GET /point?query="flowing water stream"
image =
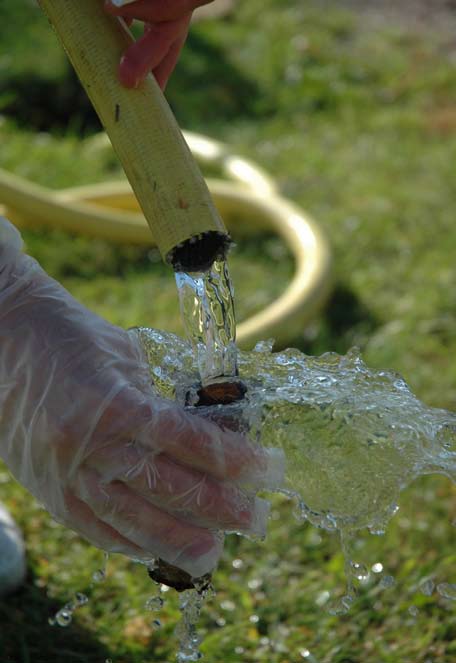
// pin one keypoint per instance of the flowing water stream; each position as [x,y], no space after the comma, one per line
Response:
[207,309]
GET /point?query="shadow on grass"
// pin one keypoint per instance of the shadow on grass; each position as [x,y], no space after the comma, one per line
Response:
[40,103]
[27,637]
[346,321]
[206,88]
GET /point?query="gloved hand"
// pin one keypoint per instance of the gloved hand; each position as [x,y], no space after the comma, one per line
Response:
[165,31]
[82,428]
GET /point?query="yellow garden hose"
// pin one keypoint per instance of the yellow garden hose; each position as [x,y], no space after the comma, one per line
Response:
[247,198]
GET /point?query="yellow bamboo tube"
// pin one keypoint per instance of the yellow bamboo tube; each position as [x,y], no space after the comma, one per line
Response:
[144,133]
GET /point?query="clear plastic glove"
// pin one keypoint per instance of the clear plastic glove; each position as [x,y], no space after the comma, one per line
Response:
[82,428]
[165,31]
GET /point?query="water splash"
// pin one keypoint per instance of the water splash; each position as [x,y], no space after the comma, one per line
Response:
[354,437]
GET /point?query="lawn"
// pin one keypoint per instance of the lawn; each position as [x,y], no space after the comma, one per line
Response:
[355,115]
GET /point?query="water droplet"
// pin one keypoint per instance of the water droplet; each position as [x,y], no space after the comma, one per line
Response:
[237,563]
[386,582]
[377,531]
[182,657]
[99,576]
[322,598]
[255,583]
[447,590]
[307,655]
[427,586]
[413,610]
[228,605]
[254,619]
[359,571]
[377,568]
[63,617]
[342,606]
[81,599]
[220,621]
[155,603]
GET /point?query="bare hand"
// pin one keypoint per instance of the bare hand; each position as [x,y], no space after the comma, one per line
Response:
[166,25]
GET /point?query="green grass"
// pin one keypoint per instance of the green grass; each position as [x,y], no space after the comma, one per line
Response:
[358,123]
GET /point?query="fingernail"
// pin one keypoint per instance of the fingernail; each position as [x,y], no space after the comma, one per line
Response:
[126,77]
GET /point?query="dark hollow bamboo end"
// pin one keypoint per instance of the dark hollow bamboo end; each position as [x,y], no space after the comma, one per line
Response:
[171,576]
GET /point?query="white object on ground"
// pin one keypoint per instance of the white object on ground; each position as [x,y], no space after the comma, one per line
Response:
[12,554]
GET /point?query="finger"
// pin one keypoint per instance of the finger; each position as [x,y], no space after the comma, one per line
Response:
[154,11]
[147,53]
[82,519]
[166,67]
[195,442]
[193,549]
[160,425]
[182,490]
